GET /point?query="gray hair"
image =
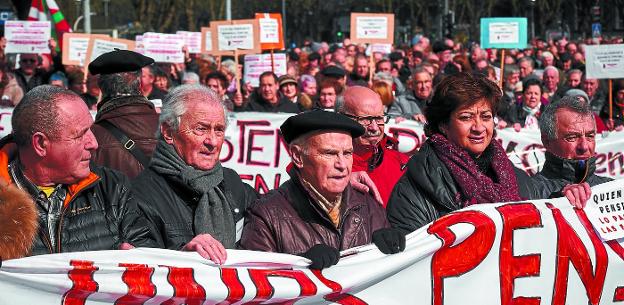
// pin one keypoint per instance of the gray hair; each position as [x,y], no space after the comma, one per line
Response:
[190,77]
[510,69]
[175,103]
[230,66]
[528,59]
[547,54]
[116,84]
[38,112]
[573,71]
[548,119]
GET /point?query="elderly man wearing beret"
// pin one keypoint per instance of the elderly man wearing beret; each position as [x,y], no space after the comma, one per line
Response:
[126,121]
[317,213]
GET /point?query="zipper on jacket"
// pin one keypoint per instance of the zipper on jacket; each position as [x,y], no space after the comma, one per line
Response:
[65,208]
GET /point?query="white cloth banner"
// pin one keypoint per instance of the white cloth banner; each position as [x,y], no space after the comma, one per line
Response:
[541,252]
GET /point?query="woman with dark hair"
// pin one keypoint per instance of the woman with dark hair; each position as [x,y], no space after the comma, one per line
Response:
[459,164]
[526,112]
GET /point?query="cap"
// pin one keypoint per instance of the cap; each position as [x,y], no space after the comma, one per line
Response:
[314,56]
[333,71]
[440,46]
[286,79]
[318,120]
[119,61]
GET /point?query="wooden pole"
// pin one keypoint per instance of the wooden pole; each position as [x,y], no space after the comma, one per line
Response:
[272,62]
[611,104]
[371,66]
[237,77]
[219,63]
[502,67]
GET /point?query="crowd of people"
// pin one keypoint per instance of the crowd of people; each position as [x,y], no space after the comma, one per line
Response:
[142,176]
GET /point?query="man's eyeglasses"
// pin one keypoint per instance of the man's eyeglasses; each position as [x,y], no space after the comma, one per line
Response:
[29,61]
[367,120]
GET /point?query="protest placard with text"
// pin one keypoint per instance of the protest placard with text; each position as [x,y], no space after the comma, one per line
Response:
[372,28]
[241,36]
[100,45]
[604,61]
[76,45]
[27,36]
[271,33]
[256,64]
[164,47]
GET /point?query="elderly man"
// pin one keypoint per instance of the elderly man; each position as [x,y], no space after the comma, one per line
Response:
[568,129]
[597,98]
[551,84]
[126,121]
[268,99]
[527,65]
[193,202]
[411,104]
[374,153]
[80,208]
[317,212]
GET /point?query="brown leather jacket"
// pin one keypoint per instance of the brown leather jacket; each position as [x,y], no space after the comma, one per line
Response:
[136,117]
[286,220]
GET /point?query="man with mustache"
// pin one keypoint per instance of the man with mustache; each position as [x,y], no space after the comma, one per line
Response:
[375,154]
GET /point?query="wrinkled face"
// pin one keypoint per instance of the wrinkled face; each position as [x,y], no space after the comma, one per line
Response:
[525,69]
[215,85]
[351,50]
[574,80]
[327,97]
[619,98]
[590,86]
[513,79]
[268,89]
[200,135]
[370,114]
[548,61]
[147,78]
[576,135]
[69,152]
[28,63]
[551,80]
[422,84]
[446,56]
[362,67]
[310,89]
[327,162]
[531,96]
[471,127]
[289,90]
[385,67]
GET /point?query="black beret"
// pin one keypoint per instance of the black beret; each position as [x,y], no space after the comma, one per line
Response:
[317,120]
[119,61]
[395,56]
[440,46]
[334,71]
[293,55]
[314,56]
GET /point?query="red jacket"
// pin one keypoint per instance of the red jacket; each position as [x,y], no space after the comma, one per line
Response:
[384,167]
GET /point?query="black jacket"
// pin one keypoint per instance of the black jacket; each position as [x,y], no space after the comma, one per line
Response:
[258,104]
[100,215]
[170,205]
[558,172]
[427,192]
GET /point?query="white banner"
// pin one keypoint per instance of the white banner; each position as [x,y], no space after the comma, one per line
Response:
[260,63]
[164,47]
[605,61]
[27,36]
[542,252]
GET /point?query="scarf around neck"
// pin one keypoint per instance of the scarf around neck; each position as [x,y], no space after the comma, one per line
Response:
[475,185]
[213,214]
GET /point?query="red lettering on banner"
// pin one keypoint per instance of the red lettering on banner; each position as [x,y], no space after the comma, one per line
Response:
[138,278]
[570,249]
[261,184]
[251,148]
[264,289]
[230,151]
[398,132]
[242,125]
[185,289]
[236,290]
[618,296]
[83,284]
[246,177]
[612,158]
[600,160]
[452,261]
[279,143]
[276,182]
[511,146]
[528,152]
[337,296]
[517,216]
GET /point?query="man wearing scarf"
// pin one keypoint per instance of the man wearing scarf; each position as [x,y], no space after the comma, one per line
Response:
[317,213]
[193,202]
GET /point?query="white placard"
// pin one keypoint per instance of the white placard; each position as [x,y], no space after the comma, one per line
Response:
[101,46]
[258,64]
[269,30]
[164,47]
[27,36]
[192,40]
[208,41]
[384,48]
[504,32]
[78,49]
[138,47]
[235,36]
[605,210]
[372,27]
[604,61]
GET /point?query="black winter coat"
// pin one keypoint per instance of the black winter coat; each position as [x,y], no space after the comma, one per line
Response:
[170,205]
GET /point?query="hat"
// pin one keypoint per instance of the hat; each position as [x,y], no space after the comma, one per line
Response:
[576,93]
[286,79]
[440,46]
[292,55]
[119,61]
[314,56]
[333,71]
[395,56]
[318,120]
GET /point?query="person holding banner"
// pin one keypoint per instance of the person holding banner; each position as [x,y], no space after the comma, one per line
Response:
[618,108]
[268,99]
[317,212]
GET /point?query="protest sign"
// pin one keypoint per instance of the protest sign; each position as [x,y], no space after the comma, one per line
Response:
[27,36]
[503,33]
[164,47]
[604,61]
[100,45]
[372,28]
[538,252]
[241,36]
[76,45]
[605,210]
[138,47]
[192,41]
[271,35]
[383,48]
[257,64]
[206,42]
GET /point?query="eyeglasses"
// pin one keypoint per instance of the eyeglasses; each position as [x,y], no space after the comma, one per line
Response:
[31,61]
[367,120]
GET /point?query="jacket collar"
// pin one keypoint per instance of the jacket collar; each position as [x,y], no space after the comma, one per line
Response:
[576,171]
[109,103]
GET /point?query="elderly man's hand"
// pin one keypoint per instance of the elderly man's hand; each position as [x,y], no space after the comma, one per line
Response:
[208,248]
[517,127]
[399,119]
[363,183]
[322,256]
[501,124]
[420,118]
[126,246]
[389,240]
[577,194]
